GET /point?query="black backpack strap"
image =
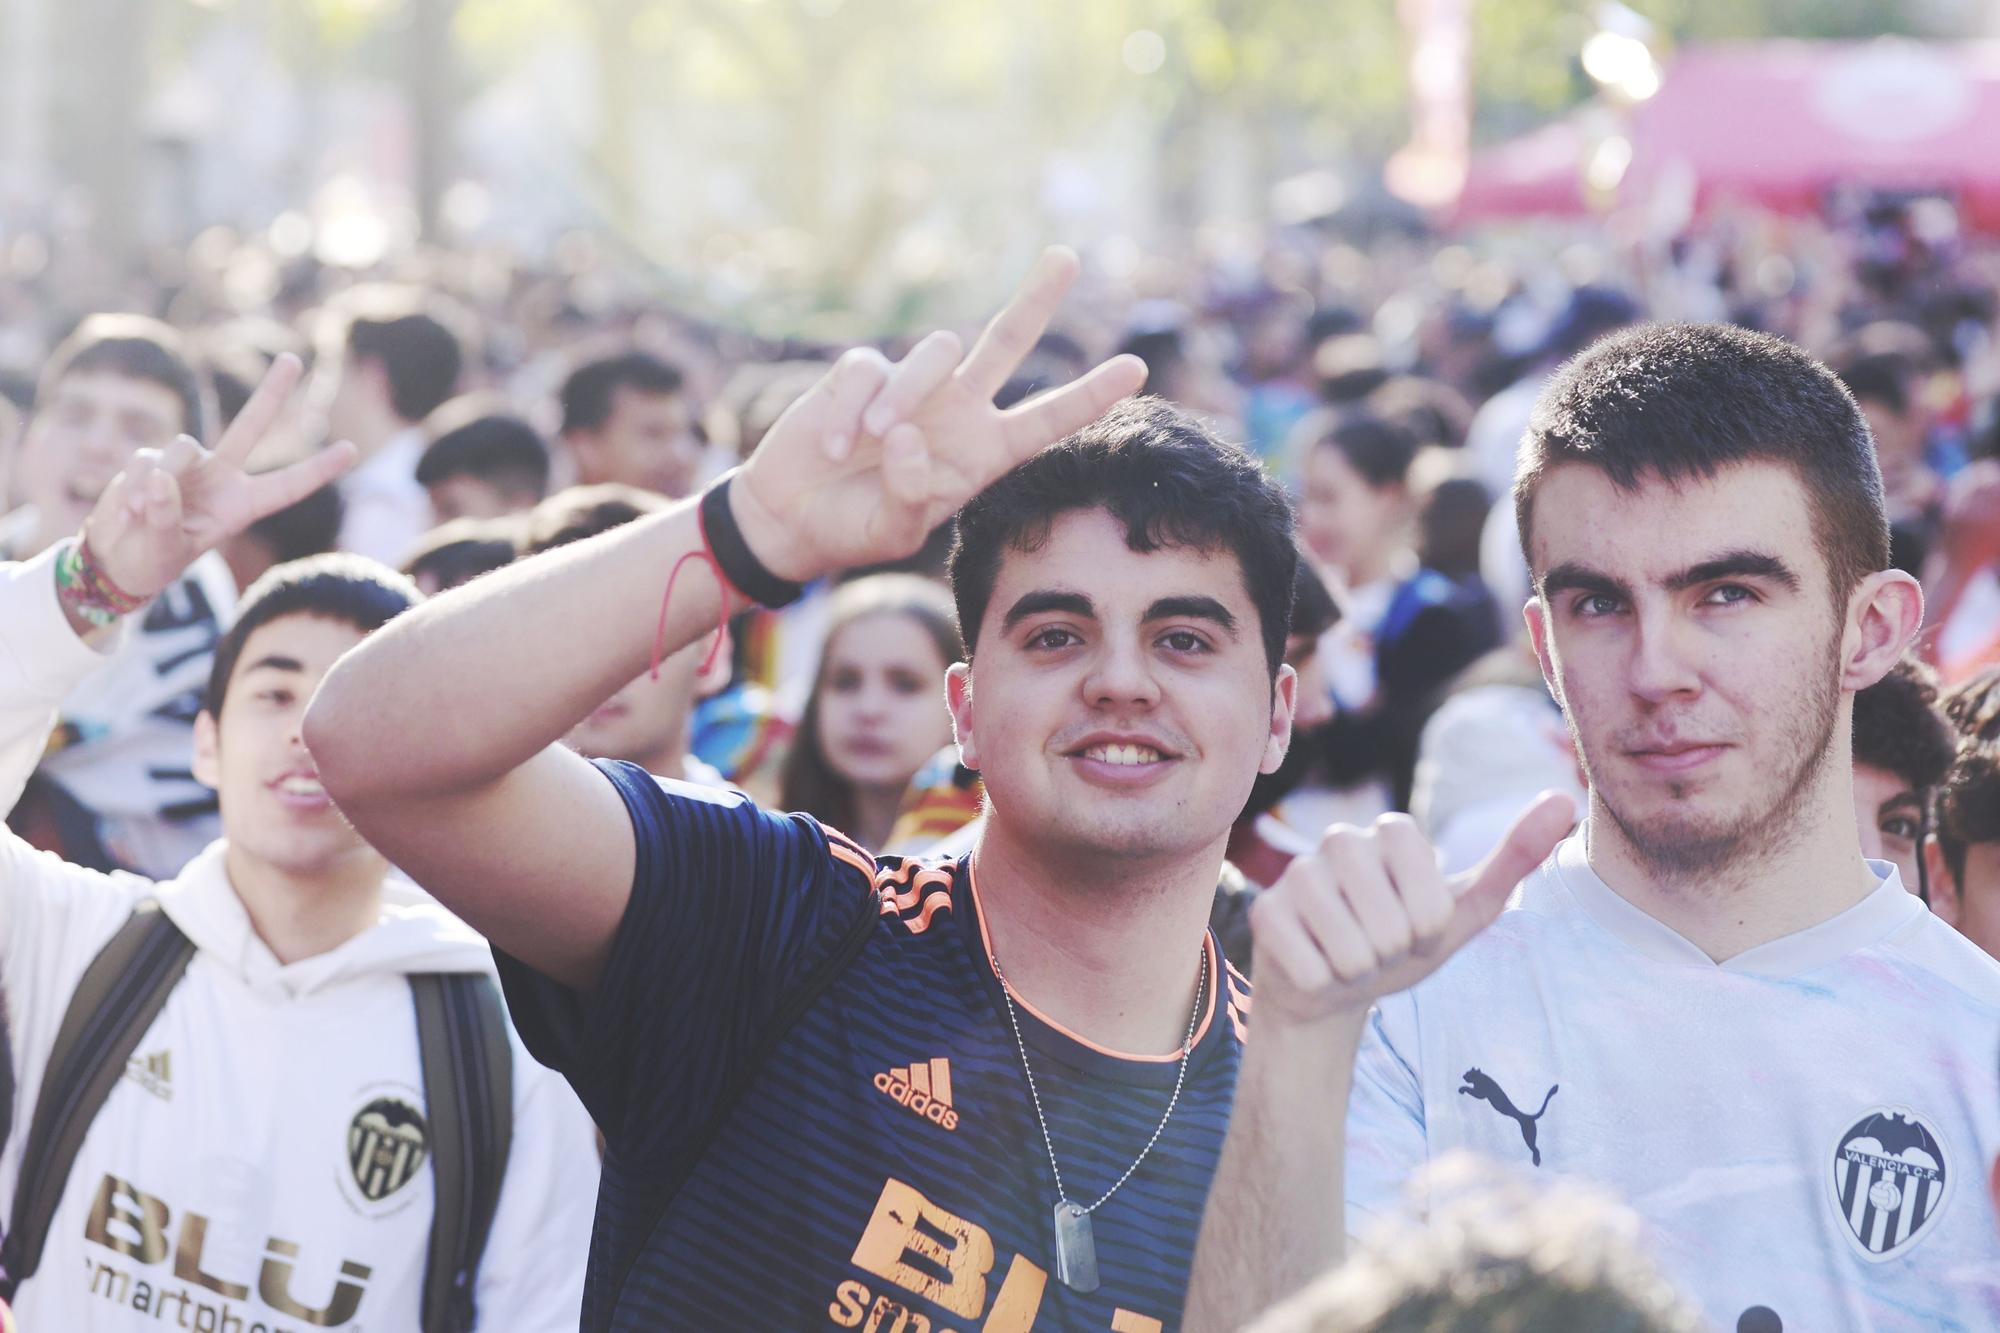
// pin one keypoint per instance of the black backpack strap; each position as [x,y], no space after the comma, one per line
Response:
[121,993]
[468,1062]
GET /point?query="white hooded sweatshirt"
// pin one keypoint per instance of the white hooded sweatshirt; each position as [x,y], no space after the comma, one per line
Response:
[215,1190]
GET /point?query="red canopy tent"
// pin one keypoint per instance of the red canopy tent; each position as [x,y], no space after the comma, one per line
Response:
[1539,174]
[1777,124]
[1781,123]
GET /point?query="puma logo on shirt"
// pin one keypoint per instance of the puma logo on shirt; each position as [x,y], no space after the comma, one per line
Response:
[1486,1090]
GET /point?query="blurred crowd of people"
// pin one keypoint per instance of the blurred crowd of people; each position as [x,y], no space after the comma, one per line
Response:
[503,410]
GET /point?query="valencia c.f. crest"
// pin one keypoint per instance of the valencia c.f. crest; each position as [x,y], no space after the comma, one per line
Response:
[1889,1180]
[386,1143]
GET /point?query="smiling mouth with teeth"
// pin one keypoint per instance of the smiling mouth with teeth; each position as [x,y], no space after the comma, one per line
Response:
[302,787]
[1124,754]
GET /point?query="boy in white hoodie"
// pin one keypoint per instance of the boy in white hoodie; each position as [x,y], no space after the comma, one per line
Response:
[221,1187]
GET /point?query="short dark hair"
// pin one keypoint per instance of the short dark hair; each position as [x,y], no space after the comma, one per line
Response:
[1676,401]
[461,550]
[136,348]
[578,512]
[1968,804]
[351,589]
[1882,377]
[1314,611]
[1898,728]
[1449,522]
[304,527]
[421,354]
[1380,451]
[480,441]
[1164,475]
[588,393]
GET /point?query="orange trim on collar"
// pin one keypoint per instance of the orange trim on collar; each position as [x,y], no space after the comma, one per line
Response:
[1209,1004]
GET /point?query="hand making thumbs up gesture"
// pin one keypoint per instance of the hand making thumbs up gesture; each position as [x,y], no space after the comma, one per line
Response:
[1369,913]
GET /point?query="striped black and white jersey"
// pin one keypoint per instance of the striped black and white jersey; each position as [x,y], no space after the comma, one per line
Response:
[883,1166]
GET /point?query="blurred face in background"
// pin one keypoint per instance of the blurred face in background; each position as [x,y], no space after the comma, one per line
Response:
[646,723]
[1350,526]
[1899,444]
[1890,812]
[84,434]
[648,441]
[881,701]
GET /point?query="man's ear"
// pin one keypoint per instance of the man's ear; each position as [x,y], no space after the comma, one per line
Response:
[1537,615]
[1943,888]
[1884,614]
[207,751]
[958,698]
[1284,703]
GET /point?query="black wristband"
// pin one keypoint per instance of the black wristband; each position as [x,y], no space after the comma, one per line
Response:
[733,556]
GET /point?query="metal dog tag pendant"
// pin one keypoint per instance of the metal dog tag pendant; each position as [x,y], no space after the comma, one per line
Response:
[1076,1249]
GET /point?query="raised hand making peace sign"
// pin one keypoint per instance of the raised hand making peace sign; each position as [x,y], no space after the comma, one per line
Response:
[876,455]
[171,505]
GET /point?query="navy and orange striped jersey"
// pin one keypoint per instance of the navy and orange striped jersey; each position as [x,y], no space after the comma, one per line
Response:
[878,1165]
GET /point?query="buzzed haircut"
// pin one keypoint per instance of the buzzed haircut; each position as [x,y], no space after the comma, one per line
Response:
[496,446]
[350,589]
[1968,804]
[407,333]
[584,511]
[590,391]
[135,348]
[1675,402]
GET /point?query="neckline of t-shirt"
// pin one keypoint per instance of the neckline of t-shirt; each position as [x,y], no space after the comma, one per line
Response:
[1884,911]
[1046,1036]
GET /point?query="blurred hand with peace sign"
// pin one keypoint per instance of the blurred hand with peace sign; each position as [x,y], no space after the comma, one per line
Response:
[169,506]
[876,455]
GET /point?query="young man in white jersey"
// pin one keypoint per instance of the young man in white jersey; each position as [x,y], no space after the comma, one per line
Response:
[114,791]
[269,1157]
[1706,1000]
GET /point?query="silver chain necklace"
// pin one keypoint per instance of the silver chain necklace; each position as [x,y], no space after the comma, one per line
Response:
[1076,1247]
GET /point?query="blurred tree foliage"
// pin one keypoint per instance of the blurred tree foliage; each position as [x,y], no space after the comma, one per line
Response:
[850,126]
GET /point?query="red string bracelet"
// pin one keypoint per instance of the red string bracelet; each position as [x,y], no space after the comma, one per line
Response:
[707,556]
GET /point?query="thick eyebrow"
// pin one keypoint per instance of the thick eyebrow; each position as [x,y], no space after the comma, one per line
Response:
[1572,577]
[275,662]
[1193,608]
[1740,564]
[1044,600]
[1906,797]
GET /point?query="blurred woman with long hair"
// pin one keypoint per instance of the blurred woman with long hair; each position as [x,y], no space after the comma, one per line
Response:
[877,710]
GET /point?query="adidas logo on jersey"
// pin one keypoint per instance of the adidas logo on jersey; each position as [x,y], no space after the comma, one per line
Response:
[154,1073]
[925,1088]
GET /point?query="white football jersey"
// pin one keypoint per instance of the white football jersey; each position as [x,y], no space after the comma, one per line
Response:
[1806,1129]
[262,1163]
